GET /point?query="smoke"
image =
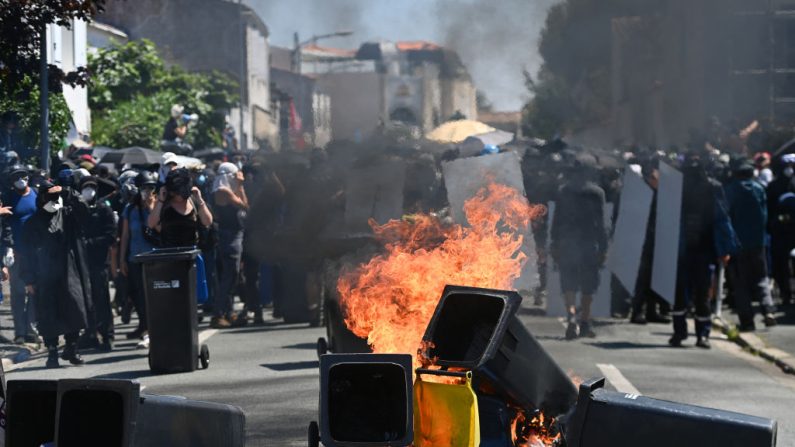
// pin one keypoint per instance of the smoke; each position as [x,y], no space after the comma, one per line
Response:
[496,39]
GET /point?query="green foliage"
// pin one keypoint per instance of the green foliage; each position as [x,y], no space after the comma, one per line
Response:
[573,89]
[133,91]
[25,102]
[21,23]
[551,108]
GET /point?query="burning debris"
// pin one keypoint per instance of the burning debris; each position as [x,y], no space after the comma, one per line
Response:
[390,300]
[475,375]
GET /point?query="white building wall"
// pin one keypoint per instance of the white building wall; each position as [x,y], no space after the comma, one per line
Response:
[68,49]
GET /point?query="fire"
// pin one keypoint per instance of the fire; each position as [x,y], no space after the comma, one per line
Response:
[390,299]
[536,431]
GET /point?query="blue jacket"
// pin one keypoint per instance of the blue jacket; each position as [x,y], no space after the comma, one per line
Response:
[747,204]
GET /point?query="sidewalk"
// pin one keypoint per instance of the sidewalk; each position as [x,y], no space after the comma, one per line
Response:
[776,344]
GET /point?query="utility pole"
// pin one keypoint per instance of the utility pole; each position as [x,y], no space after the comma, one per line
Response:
[243,138]
[44,103]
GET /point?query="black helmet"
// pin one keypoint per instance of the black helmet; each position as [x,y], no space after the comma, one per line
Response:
[16,169]
[146,178]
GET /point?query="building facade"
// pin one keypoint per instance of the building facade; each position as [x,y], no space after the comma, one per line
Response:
[690,64]
[205,35]
[415,84]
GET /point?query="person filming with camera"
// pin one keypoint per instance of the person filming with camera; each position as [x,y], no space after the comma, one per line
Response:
[179,211]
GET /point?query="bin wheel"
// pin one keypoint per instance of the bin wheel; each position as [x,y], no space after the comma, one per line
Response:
[322,346]
[204,357]
[314,434]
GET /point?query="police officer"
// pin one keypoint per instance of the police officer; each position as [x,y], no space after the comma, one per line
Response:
[706,238]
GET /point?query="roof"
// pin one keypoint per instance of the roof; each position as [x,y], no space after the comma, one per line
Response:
[417,45]
[316,50]
[500,117]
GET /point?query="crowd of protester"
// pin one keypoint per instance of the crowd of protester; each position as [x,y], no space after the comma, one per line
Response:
[70,233]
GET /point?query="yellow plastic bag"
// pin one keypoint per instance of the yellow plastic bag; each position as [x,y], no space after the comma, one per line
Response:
[445,415]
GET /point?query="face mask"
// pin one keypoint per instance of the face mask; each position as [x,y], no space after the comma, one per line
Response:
[52,206]
[21,183]
[88,194]
[788,171]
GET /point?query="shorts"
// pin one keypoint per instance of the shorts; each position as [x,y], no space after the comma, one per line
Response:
[579,273]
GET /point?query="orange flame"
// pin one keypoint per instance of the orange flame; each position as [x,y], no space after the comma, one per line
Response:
[390,300]
[537,431]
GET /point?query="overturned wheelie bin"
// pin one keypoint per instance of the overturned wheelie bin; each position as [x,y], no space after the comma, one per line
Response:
[171,310]
[491,384]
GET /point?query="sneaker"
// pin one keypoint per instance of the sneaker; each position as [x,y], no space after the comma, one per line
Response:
[703,343]
[52,359]
[143,344]
[138,333]
[33,339]
[571,331]
[19,340]
[70,355]
[676,341]
[586,330]
[220,323]
[638,319]
[770,320]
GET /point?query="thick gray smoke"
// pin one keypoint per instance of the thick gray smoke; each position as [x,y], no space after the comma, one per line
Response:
[497,39]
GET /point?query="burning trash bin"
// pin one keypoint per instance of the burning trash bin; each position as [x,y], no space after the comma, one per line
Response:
[477,330]
[171,310]
[487,382]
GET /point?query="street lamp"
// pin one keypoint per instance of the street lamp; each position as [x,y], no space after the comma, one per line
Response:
[298,45]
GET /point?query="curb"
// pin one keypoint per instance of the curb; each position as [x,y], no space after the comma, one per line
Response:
[753,343]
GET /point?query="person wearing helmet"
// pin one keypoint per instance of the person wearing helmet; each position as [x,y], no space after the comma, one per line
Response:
[231,204]
[136,239]
[21,200]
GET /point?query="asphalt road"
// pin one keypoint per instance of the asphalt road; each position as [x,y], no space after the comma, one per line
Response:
[271,372]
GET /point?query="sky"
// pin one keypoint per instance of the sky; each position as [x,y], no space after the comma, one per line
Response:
[497,39]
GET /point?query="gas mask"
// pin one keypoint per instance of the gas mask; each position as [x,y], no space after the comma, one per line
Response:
[21,183]
[53,205]
[88,193]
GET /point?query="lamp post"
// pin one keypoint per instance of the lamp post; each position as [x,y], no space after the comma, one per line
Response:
[298,45]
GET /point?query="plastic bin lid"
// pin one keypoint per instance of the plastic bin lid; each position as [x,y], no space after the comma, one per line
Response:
[168,254]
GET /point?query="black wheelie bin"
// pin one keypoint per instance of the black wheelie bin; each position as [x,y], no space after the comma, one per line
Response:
[171,310]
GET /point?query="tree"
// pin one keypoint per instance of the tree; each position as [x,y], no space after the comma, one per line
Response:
[133,91]
[573,88]
[25,102]
[21,26]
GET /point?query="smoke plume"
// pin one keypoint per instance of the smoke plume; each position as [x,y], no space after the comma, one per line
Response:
[496,39]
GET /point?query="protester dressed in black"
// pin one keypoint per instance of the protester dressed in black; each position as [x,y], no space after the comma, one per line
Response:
[55,270]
